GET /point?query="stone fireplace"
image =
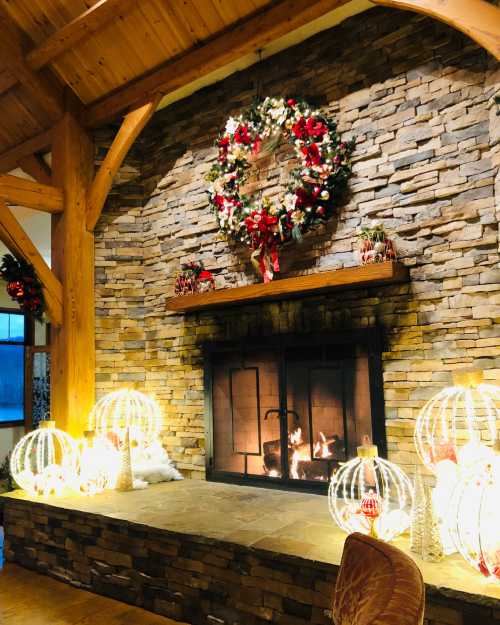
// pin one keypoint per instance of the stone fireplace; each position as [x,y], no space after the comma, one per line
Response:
[286,411]
[419,98]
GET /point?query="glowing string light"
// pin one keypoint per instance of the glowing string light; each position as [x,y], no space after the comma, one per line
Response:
[371,495]
[126,408]
[98,464]
[43,462]
[466,412]
[475,517]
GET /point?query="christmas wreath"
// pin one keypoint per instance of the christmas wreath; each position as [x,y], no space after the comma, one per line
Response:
[23,285]
[314,190]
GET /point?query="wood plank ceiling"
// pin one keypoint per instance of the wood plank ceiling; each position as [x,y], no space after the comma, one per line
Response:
[127,39]
[115,55]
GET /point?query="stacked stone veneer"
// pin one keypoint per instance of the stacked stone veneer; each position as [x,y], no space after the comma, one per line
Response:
[418,96]
[191,578]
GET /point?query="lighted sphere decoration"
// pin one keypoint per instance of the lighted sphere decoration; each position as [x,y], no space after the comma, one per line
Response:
[126,408]
[43,462]
[467,412]
[97,464]
[371,495]
[475,522]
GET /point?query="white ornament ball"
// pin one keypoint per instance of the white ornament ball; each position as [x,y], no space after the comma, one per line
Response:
[44,461]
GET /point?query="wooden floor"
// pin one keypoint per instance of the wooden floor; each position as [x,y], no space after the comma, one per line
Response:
[27,598]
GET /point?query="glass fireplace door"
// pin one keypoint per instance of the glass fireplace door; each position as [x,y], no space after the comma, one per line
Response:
[317,412]
[245,407]
[288,414]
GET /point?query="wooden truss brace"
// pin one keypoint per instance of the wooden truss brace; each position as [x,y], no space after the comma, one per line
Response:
[74,32]
[476,18]
[22,192]
[130,129]
[18,242]
[36,167]
[41,90]
[11,158]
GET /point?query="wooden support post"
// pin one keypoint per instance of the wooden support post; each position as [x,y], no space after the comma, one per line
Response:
[73,344]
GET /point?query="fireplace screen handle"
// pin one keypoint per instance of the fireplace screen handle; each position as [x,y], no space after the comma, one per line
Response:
[272,411]
[278,413]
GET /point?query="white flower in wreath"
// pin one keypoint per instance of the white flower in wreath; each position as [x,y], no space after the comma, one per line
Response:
[278,115]
[231,126]
[290,199]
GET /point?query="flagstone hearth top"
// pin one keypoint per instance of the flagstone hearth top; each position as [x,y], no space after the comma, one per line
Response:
[294,524]
[375,274]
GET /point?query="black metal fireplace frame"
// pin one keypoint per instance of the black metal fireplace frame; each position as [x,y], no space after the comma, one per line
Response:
[370,338]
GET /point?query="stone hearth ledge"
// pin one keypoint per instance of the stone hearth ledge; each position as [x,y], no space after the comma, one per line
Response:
[294,524]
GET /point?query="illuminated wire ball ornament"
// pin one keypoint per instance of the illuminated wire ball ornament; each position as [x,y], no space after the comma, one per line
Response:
[43,462]
[371,495]
[126,409]
[465,415]
[97,464]
[475,511]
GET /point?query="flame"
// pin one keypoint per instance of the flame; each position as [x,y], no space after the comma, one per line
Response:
[296,437]
[321,449]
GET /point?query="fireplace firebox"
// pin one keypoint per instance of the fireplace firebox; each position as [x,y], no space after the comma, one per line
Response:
[287,411]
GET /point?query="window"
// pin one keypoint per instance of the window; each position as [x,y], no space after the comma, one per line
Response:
[12,344]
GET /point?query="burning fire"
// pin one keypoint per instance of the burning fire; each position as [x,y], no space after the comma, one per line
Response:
[301,451]
[321,447]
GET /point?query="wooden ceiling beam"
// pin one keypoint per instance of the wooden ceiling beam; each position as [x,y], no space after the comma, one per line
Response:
[11,50]
[40,143]
[22,192]
[91,21]
[18,243]
[37,168]
[249,36]
[130,129]
[478,19]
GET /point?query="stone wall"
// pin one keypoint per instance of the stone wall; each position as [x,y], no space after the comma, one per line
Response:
[418,97]
[192,579]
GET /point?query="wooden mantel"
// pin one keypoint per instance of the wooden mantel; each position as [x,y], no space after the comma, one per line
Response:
[352,277]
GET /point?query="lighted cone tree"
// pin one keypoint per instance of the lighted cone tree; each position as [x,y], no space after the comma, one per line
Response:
[44,461]
[371,495]
[466,413]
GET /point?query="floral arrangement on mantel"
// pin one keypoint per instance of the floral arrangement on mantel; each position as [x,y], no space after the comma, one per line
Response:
[23,285]
[374,244]
[193,278]
[315,188]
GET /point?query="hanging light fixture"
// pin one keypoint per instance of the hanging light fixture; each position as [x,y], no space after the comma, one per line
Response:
[459,420]
[371,495]
[44,461]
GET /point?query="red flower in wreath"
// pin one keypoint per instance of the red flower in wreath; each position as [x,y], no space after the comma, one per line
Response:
[241,135]
[312,154]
